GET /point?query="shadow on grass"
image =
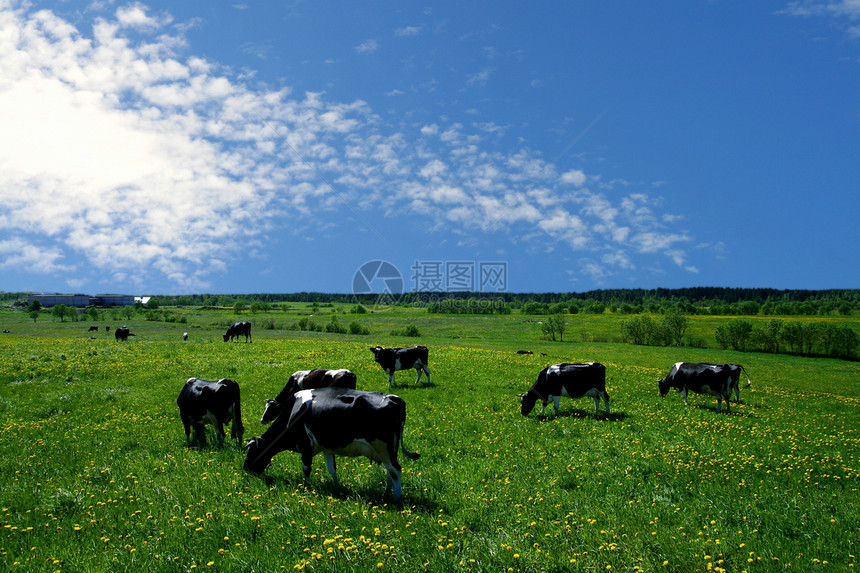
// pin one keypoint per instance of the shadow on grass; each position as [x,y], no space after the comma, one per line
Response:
[372,495]
[583,414]
[412,386]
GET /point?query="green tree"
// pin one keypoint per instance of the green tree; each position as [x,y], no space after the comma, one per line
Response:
[238,306]
[638,329]
[735,334]
[334,326]
[792,335]
[553,325]
[59,310]
[768,336]
[675,323]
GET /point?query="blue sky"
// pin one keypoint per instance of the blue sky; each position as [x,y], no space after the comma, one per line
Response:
[202,147]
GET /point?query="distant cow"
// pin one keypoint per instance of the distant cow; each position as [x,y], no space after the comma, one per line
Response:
[307,380]
[524,352]
[184,336]
[701,378]
[394,359]
[735,373]
[573,380]
[122,333]
[336,421]
[93,329]
[205,402]
[237,329]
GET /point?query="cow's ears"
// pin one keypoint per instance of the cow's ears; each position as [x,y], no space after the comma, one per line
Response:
[270,401]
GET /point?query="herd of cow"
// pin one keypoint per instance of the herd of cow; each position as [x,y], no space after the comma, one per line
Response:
[321,411]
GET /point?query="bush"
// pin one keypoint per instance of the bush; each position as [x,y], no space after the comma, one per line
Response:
[357,328]
[334,326]
[410,330]
[735,334]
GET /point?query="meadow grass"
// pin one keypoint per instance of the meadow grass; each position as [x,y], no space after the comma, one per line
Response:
[96,475]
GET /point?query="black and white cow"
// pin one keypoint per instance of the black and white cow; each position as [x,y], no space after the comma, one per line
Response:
[205,402]
[237,329]
[735,373]
[93,329]
[701,378]
[121,333]
[394,359]
[336,421]
[307,380]
[573,380]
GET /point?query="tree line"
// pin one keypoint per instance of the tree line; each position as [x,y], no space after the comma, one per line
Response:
[692,301]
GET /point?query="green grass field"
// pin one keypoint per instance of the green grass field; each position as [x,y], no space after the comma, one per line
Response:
[96,475]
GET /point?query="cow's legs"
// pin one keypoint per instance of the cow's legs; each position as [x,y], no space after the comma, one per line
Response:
[556,401]
[684,395]
[597,405]
[331,465]
[307,460]
[426,371]
[393,470]
[543,406]
[187,423]
[219,434]
[606,401]
[391,380]
[418,371]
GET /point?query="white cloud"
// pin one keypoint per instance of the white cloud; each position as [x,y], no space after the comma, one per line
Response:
[135,16]
[407,31]
[479,78]
[367,47]
[846,10]
[574,177]
[143,161]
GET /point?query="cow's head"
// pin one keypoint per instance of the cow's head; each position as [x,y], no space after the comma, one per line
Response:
[527,402]
[226,338]
[272,410]
[376,350]
[256,459]
[663,385]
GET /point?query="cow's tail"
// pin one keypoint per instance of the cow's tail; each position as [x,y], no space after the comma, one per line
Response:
[406,452]
[749,382]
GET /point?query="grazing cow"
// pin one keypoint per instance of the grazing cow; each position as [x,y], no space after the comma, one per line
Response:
[735,373]
[184,336]
[336,421]
[204,402]
[307,380]
[711,379]
[524,352]
[93,329]
[121,333]
[237,329]
[573,380]
[394,359]
[107,328]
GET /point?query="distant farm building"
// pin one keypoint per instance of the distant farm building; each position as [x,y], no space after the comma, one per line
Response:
[81,300]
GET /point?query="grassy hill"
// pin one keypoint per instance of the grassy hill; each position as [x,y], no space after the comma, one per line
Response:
[97,476]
